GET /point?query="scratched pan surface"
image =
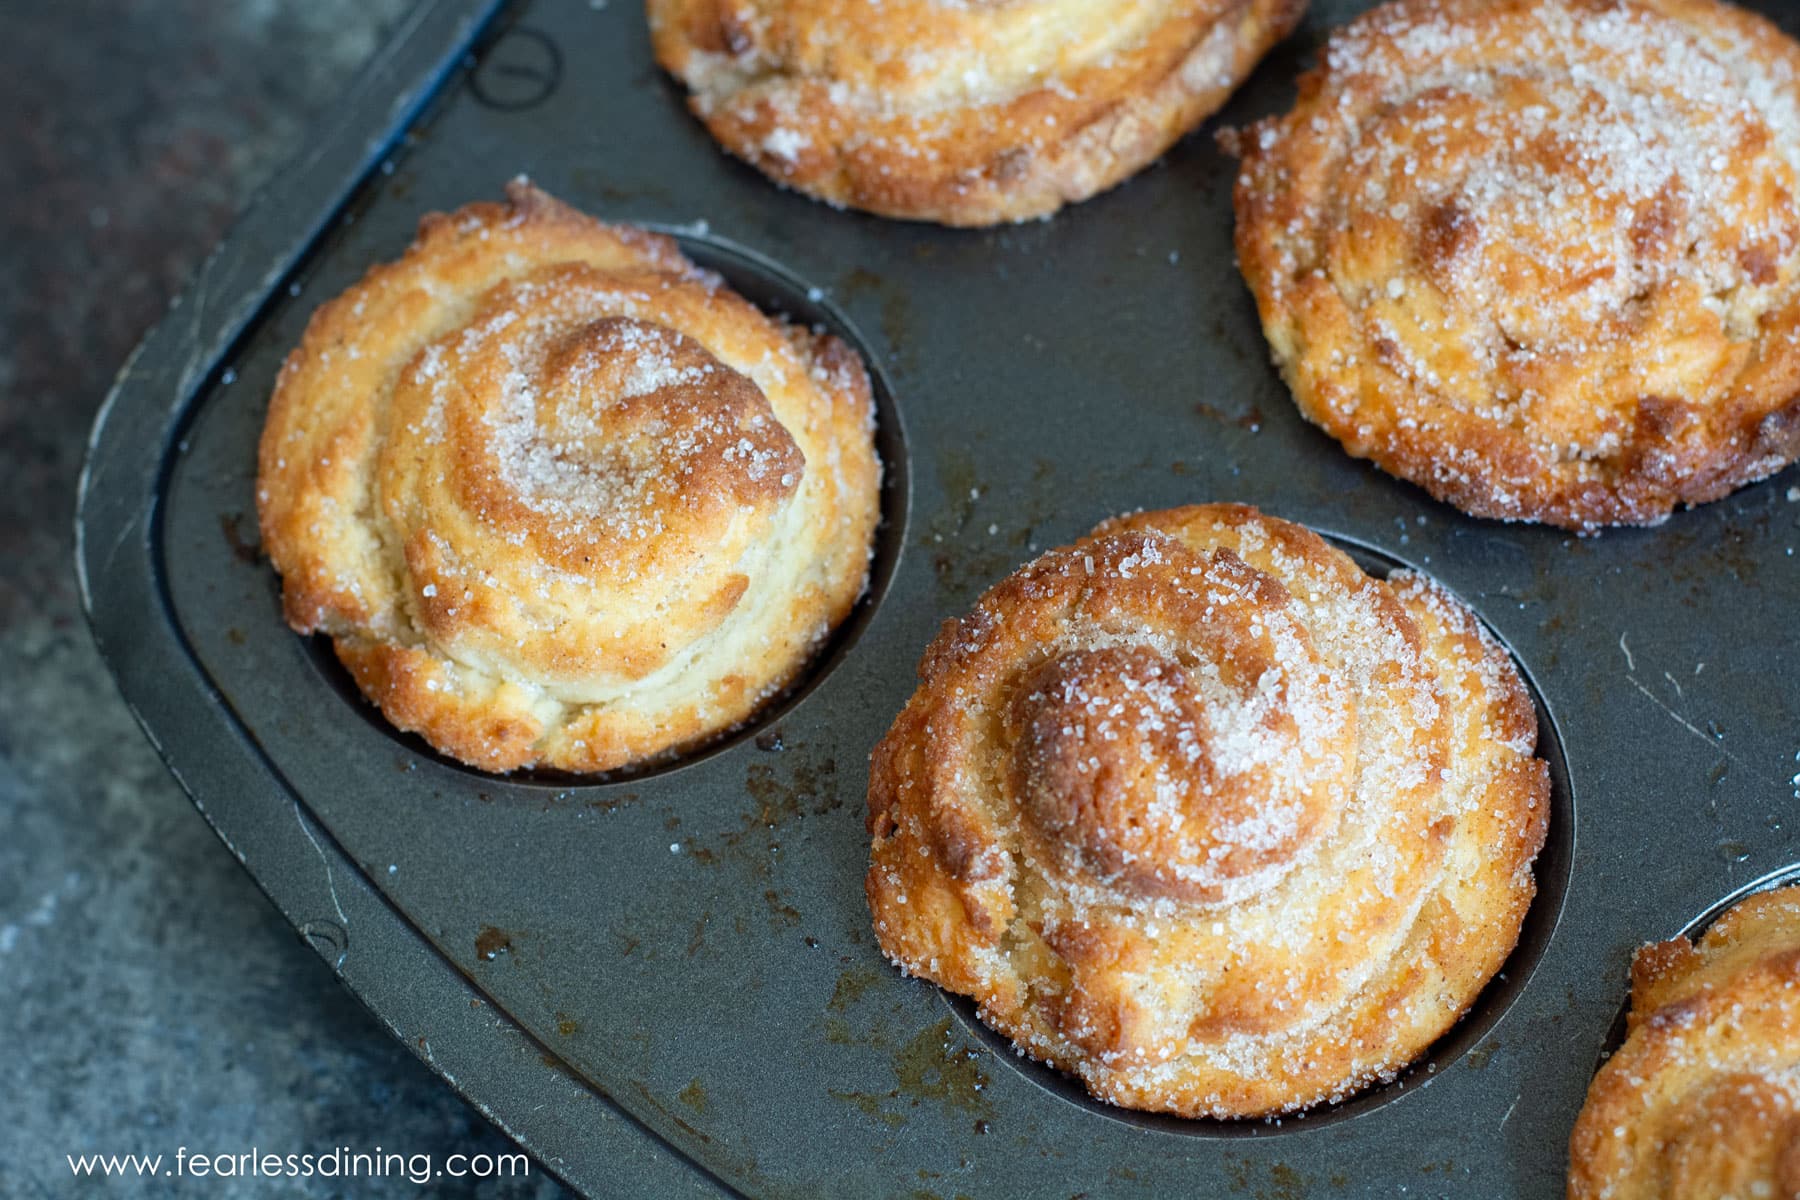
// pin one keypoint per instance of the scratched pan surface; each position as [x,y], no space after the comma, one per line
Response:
[667,985]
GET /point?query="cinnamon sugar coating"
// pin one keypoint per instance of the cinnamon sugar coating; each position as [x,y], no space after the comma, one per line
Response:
[1703,1099]
[561,498]
[964,112]
[1540,257]
[1201,813]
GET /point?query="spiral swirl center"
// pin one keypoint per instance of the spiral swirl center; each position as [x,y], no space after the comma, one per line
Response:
[1196,766]
[611,421]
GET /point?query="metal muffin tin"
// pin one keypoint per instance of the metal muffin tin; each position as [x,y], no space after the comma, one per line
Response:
[667,985]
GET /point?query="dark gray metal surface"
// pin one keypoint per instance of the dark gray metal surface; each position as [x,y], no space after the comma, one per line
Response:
[669,984]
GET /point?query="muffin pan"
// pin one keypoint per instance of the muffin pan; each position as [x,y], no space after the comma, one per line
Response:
[667,984]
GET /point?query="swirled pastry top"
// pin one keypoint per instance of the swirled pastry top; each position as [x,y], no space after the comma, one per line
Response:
[559,496]
[966,112]
[1703,1099]
[1200,812]
[1541,257]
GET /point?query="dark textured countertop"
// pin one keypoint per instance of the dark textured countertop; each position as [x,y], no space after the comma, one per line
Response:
[152,998]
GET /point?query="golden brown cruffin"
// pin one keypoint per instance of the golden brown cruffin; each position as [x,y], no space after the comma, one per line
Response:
[964,112]
[1703,1099]
[1540,257]
[1203,814]
[558,496]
